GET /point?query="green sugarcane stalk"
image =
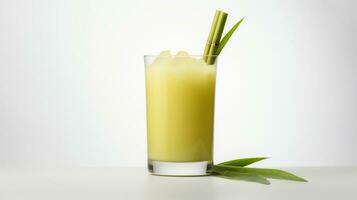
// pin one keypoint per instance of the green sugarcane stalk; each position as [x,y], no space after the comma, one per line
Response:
[214,37]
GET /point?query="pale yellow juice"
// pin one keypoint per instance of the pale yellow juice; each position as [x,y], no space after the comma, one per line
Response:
[180,94]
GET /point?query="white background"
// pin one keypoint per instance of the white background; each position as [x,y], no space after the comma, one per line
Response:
[72,87]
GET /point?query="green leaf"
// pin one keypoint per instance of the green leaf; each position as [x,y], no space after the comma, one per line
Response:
[245,177]
[243,161]
[268,173]
[241,176]
[227,36]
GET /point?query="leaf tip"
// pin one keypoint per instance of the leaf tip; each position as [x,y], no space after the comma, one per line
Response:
[303,180]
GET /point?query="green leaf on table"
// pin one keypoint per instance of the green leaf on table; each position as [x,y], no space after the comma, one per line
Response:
[240,176]
[245,177]
[243,161]
[225,39]
[268,173]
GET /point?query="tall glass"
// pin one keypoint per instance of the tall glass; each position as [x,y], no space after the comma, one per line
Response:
[180,95]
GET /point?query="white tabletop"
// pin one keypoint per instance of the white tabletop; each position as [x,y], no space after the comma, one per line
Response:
[136,183]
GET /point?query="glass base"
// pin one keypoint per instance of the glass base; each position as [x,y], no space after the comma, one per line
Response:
[200,168]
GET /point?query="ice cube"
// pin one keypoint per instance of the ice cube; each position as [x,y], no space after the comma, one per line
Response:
[163,59]
[182,54]
[166,53]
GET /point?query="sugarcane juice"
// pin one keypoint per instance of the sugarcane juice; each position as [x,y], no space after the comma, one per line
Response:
[180,94]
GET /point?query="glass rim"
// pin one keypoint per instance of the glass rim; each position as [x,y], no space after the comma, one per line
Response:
[175,56]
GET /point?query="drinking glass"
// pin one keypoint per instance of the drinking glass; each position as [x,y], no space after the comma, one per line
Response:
[180,93]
